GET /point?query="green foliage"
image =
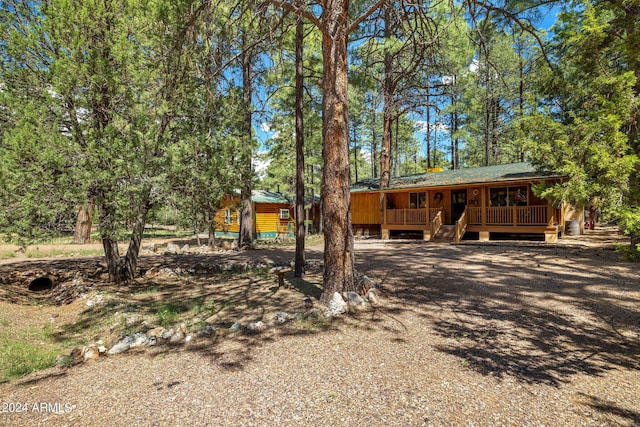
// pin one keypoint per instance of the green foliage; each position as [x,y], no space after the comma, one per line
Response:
[26,351]
[580,130]
[168,315]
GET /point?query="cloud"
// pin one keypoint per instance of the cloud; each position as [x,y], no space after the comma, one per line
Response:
[421,126]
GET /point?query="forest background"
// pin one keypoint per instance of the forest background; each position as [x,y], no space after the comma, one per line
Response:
[118,113]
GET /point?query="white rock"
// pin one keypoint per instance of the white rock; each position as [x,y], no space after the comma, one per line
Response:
[337,305]
[281,317]
[256,326]
[120,347]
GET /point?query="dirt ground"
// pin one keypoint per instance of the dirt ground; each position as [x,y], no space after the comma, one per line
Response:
[497,333]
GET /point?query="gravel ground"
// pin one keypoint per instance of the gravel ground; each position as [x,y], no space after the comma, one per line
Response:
[469,334]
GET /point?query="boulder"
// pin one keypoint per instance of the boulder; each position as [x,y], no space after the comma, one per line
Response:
[355,302]
[337,305]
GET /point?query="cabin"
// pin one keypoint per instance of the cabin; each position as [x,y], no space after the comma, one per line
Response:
[272,216]
[484,203]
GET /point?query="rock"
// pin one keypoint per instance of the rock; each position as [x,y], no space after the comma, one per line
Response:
[120,347]
[337,305]
[355,302]
[372,297]
[167,333]
[281,317]
[235,327]
[177,337]
[188,338]
[138,339]
[185,248]
[206,331]
[152,341]
[156,332]
[256,326]
[90,352]
[226,267]
[298,316]
[76,355]
[314,313]
[171,247]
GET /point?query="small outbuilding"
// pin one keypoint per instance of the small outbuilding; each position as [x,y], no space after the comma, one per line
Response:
[272,216]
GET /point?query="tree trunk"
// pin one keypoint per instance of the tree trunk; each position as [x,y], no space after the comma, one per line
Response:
[300,230]
[82,232]
[121,269]
[211,228]
[336,199]
[246,215]
[427,136]
[374,141]
[385,149]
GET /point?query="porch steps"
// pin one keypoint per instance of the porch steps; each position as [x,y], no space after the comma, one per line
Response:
[447,233]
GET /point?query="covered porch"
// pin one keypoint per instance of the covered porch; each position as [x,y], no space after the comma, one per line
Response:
[482,210]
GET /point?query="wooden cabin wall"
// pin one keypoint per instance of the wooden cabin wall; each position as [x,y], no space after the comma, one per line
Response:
[365,208]
[268,221]
[232,203]
[444,203]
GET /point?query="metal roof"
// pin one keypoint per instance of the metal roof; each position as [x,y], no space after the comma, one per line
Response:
[481,175]
[261,196]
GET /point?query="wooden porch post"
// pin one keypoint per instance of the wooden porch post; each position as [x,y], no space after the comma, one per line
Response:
[384,231]
[483,205]
[426,233]
[483,236]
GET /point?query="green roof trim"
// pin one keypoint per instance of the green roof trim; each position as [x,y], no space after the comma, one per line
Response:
[261,196]
[470,176]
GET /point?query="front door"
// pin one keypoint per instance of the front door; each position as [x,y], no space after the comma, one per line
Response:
[458,204]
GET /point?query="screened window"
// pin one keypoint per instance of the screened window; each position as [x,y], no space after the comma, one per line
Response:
[417,200]
[509,196]
[228,217]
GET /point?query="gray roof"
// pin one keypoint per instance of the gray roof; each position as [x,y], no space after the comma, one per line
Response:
[470,176]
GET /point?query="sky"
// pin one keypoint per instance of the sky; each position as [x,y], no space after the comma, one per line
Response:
[264,132]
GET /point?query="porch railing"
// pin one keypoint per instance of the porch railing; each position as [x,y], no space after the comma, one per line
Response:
[406,217]
[508,215]
[461,226]
[436,223]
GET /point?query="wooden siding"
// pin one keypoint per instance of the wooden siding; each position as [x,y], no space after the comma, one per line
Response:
[365,208]
[268,222]
[232,203]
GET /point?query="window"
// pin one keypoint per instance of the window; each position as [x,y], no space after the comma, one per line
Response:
[228,217]
[285,214]
[509,196]
[417,200]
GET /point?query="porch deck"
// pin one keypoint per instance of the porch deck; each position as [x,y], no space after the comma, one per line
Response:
[521,219]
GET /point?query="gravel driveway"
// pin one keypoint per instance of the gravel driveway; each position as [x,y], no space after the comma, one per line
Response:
[469,334]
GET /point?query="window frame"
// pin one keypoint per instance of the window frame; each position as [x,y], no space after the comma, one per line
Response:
[284,217]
